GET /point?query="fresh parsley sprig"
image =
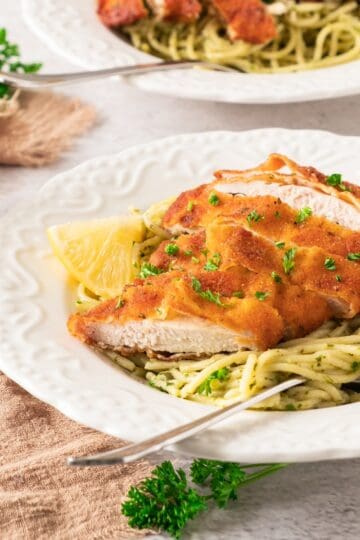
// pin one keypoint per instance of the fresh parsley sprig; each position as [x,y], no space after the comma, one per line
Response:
[10,61]
[165,501]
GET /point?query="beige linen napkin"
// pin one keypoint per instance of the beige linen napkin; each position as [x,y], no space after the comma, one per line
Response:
[35,127]
[41,498]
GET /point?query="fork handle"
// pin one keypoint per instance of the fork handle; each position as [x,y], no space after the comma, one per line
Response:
[43,80]
[136,451]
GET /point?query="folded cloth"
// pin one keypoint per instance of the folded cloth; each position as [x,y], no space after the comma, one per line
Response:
[36,127]
[41,498]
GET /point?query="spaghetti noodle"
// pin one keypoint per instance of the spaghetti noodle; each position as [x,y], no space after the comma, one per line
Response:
[311,35]
[327,359]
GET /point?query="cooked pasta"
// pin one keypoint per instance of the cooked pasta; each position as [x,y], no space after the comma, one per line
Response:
[326,359]
[311,35]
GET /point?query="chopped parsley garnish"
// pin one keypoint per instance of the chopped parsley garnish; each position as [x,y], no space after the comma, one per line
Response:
[261,295]
[290,407]
[275,276]
[206,295]
[204,251]
[280,245]
[213,263]
[335,180]
[196,285]
[355,365]
[277,214]
[164,501]
[303,214]
[239,294]
[220,375]
[330,264]
[195,260]
[214,199]
[338,277]
[148,269]
[188,252]
[289,260]
[254,217]
[172,249]
[353,256]
[190,206]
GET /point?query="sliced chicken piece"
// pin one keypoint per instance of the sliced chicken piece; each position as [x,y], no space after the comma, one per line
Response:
[246,20]
[137,322]
[114,13]
[270,172]
[183,335]
[176,10]
[303,187]
[334,278]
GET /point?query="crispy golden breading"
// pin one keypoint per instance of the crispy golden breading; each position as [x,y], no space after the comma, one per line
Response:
[184,11]
[115,13]
[248,20]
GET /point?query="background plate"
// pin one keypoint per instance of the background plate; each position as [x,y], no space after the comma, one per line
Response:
[73,30]
[36,298]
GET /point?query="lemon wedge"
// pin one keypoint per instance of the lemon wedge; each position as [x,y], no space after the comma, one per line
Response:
[99,253]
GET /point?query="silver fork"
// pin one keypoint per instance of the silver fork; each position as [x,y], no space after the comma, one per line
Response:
[30,80]
[135,451]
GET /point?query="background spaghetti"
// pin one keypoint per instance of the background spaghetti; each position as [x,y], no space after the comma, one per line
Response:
[311,35]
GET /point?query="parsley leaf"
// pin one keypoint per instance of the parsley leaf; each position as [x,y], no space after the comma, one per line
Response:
[280,245]
[353,256]
[338,277]
[213,263]
[239,294]
[220,375]
[335,180]
[288,260]
[148,269]
[303,214]
[254,217]
[164,501]
[190,206]
[261,295]
[214,199]
[171,249]
[330,264]
[206,295]
[275,276]
[224,479]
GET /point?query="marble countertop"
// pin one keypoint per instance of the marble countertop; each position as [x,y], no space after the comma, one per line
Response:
[304,501]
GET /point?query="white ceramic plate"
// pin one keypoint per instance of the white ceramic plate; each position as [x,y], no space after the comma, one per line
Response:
[36,299]
[73,30]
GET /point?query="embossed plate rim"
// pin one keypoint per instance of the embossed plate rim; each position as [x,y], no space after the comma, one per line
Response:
[37,352]
[75,32]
